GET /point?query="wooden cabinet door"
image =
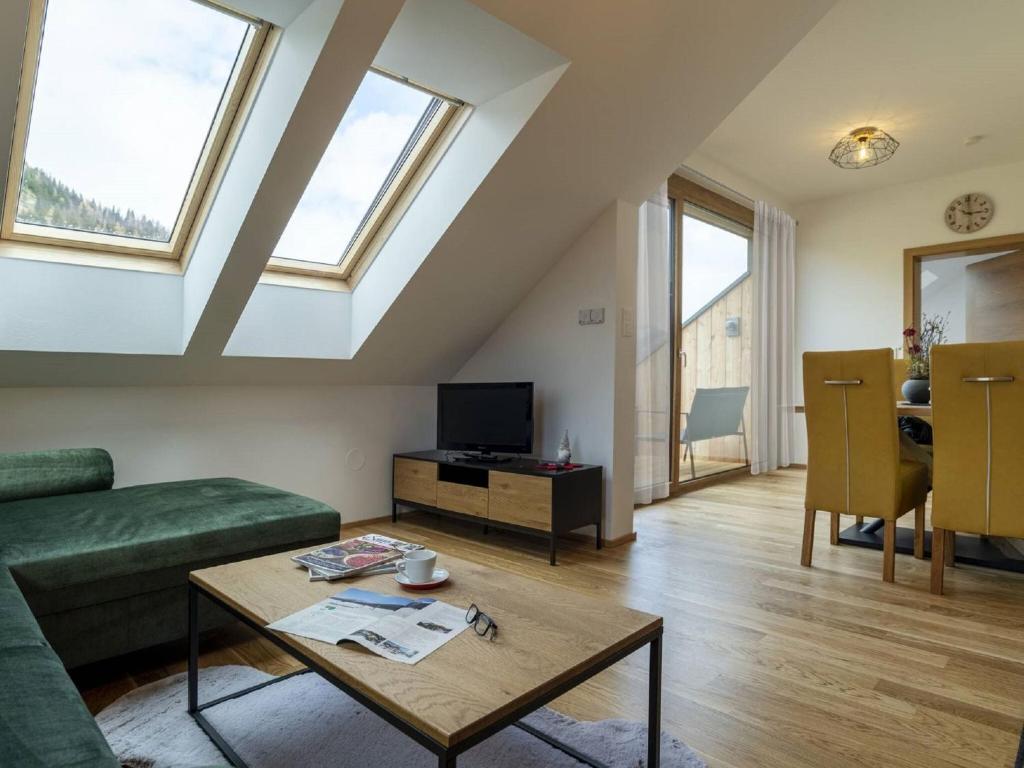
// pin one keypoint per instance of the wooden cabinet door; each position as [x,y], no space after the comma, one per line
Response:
[467,499]
[520,500]
[416,481]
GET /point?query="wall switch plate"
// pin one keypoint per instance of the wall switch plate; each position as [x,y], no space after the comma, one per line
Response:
[627,322]
[732,326]
[584,317]
[592,316]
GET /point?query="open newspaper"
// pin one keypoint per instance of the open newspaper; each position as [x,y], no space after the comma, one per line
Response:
[371,553]
[399,628]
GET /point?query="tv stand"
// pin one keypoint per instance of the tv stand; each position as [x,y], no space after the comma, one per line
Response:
[519,496]
[485,458]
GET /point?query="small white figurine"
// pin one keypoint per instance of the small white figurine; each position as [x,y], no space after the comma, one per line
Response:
[564,451]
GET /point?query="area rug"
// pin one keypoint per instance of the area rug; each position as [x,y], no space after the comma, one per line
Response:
[305,721]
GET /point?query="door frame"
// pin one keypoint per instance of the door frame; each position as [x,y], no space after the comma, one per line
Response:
[682,190]
[913,257]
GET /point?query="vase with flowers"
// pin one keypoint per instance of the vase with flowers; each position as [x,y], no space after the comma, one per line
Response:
[917,388]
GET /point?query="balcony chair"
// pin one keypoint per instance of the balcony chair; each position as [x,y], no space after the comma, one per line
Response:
[714,413]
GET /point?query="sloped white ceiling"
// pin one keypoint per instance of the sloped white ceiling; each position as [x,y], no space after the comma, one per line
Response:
[930,72]
[646,83]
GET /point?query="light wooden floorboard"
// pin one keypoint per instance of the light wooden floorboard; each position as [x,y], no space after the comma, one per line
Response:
[766,663]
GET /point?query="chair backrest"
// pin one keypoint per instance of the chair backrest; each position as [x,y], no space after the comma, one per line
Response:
[715,413]
[852,440]
[978,419]
[899,375]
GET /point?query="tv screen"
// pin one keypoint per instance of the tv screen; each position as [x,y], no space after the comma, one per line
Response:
[485,417]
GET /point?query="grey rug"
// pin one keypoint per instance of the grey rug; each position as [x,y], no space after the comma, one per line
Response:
[305,722]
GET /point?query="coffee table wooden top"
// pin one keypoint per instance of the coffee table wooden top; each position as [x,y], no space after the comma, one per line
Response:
[547,635]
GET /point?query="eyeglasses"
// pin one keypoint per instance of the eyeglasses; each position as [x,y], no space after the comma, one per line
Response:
[482,623]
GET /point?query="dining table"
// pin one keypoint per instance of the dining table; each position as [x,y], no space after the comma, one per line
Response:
[903,408]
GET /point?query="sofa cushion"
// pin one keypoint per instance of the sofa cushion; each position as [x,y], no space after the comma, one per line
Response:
[49,473]
[81,549]
[43,721]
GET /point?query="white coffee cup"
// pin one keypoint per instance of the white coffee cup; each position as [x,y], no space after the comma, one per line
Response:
[418,566]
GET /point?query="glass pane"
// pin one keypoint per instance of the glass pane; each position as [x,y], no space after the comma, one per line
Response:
[380,123]
[715,344]
[713,259]
[125,96]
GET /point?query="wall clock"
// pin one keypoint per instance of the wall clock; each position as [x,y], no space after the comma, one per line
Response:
[969,213]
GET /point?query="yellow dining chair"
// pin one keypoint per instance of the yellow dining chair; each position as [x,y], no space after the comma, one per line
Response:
[853,449]
[978,416]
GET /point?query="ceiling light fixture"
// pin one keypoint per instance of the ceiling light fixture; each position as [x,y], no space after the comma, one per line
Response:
[863,148]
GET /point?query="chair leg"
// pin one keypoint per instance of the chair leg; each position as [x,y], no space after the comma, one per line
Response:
[919,532]
[808,546]
[938,559]
[950,558]
[889,551]
[693,469]
[833,533]
[859,519]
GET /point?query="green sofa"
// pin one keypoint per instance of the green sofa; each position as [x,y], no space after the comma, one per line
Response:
[87,573]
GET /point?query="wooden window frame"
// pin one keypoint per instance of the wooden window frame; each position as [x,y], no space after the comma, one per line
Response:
[412,170]
[239,93]
[680,192]
[913,257]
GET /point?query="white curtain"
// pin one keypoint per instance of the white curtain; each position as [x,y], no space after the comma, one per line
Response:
[653,351]
[773,339]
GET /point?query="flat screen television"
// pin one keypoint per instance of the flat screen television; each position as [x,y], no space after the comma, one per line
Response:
[489,418]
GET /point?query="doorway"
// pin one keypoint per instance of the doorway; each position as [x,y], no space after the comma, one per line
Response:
[712,313]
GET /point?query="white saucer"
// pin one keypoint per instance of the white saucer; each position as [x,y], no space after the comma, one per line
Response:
[439,577]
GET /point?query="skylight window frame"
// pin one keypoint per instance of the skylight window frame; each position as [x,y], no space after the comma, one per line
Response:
[407,176]
[231,112]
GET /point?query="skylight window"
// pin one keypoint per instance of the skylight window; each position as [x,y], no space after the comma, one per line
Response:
[124,109]
[379,154]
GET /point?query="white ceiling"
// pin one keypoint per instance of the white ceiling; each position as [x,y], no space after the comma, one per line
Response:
[930,72]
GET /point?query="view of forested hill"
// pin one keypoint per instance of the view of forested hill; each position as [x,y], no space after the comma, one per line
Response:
[48,201]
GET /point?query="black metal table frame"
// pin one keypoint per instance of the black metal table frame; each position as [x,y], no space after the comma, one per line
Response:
[446,755]
[970,550]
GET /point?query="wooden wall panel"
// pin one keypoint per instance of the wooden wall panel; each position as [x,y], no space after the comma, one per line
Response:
[995,298]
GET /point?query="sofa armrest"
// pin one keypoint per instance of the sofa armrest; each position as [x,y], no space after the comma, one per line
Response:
[43,721]
[33,474]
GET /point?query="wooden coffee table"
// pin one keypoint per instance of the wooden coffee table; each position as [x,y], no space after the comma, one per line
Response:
[550,640]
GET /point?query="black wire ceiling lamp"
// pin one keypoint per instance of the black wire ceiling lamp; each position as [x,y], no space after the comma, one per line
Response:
[863,148]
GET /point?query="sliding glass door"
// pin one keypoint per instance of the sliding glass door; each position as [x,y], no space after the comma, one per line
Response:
[712,329]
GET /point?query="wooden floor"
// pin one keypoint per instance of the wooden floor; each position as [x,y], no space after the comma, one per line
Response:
[766,663]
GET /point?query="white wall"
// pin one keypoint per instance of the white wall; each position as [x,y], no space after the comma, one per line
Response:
[331,443]
[583,374]
[849,277]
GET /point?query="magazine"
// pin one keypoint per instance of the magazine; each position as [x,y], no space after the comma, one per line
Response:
[399,628]
[353,556]
[315,574]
